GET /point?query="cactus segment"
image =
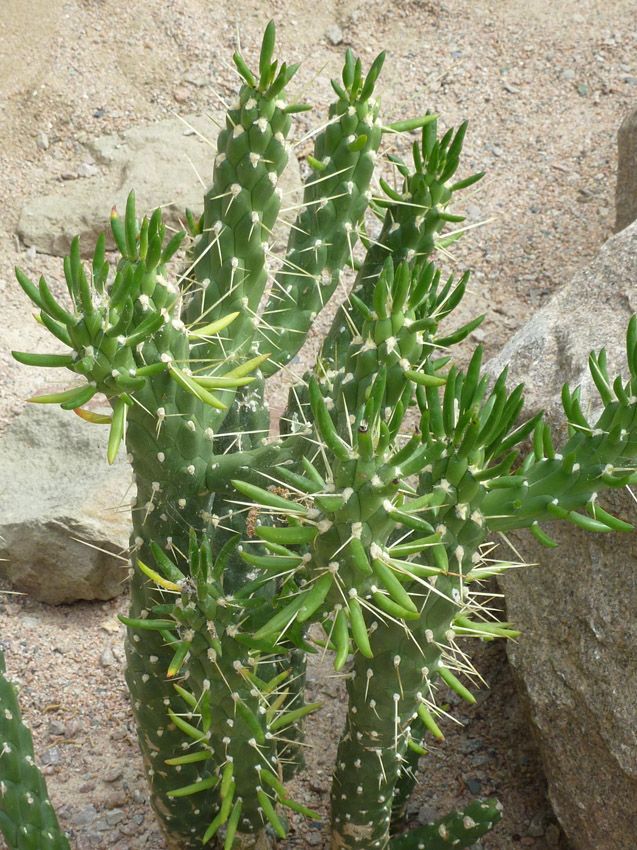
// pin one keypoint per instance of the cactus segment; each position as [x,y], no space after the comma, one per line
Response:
[458,830]
[334,202]
[27,818]
[229,268]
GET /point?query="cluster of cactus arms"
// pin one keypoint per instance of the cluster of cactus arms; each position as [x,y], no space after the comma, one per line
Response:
[367,518]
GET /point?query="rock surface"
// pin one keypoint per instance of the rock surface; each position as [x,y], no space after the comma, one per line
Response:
[576,662]
[626,194]
[167,163]
[58,500]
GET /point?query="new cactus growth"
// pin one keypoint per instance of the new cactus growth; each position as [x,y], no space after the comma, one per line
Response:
[368,516]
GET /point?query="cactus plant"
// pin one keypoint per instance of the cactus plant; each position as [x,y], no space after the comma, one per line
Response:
[27,818]
[366,517]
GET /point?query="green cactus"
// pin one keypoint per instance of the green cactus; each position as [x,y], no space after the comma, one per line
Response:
[390,569]
[354,520]
[27,819]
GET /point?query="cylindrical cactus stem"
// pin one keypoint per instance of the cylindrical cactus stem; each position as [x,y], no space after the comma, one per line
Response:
[457,830]
[335,199]
[27,818]
[233,709]
[385,695]
[229,267]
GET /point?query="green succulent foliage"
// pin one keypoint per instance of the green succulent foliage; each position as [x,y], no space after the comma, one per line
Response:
[458,830]
[413,216]
[233,694]
[355,520]
[27,818]
[383,529]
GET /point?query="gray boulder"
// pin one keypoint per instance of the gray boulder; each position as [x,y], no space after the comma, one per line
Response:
[576,662]
[626,193]
[59,508]
[160,161]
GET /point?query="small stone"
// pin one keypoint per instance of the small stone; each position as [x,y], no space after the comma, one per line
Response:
[115,816]
[112,775]
[478,334]
[72,728]
[87,787]
[181,94]
[57,728]
[568,74]
[197,80]
[107,659]
[51,756]
[334,34]
[427,814]
[511,88]
[87,169]
[313,839]
[474,785]
[582,90]
[85,816]
[115,799]
[42,141]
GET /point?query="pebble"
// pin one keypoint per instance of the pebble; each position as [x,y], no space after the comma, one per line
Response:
[56,728]
[107,659]
[87,169]
[568,74]
[334,34]
[197,80]
[51,756]
[85,816]
[181,94]
[114,816]
[427,814]
[42,141]
[113,774]
[73,727]
[115,799]
[474,785]
[313,839]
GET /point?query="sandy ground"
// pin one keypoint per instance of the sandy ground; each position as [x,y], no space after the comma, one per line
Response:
[545,86]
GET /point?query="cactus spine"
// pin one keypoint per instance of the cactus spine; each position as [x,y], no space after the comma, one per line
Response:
[353,520]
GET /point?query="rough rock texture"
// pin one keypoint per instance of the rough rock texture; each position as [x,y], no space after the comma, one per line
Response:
[169,164]
[576,661]
[626,194]
[58,499]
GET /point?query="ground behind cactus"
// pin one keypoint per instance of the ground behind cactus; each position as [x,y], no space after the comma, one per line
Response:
[545,86]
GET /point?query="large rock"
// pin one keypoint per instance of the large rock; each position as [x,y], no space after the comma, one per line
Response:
[160,161]
[59,508]
[576,662]
[626,193]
